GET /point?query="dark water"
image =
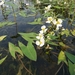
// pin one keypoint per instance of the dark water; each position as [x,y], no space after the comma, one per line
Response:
[11,67]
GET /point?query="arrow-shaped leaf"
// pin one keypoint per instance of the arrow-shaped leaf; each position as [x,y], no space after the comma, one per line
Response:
[29,50]
[13,49]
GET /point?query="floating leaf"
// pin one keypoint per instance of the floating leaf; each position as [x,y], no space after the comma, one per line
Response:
[61,57]
[13,49]
[2,60]
[70,56]
[2,37]
[29,50]
[71,68]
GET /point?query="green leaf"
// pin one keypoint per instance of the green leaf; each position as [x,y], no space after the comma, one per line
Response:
[29,36]
[6,23]
[52,43]
[66,32]
[73,32]
[71,68]
[2,37]
[11,4]
[2,60]
[57,7]
[61,57]
[29,50]
[36,21]
[13,49]
[52,37]
[70,56]
[23,13]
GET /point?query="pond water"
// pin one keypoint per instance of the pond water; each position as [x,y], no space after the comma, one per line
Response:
[13,67]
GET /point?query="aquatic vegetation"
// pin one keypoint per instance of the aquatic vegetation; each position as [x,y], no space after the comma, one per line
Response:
[53,34]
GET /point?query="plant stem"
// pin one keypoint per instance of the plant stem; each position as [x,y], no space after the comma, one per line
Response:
[59,68]
[15,21]
[23,64]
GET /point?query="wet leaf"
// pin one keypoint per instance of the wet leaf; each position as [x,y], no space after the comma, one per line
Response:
[13,49]
[29,51]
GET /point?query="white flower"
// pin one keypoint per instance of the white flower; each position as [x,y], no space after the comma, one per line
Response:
[59,24]
[40,36]
[27,4]
[54,22]
[47,8]
[2,2]
[65,3]
[59,21]
[40,43]
[38,2]
[49,19]
[58,27]
[43,29]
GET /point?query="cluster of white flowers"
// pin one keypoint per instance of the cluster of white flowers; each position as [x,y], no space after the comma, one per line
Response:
[40,38]
[47,8]
[1,2]
[57,22]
